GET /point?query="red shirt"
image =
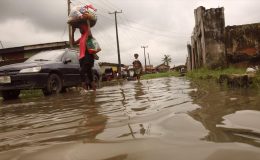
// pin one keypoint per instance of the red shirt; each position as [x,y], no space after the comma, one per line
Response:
[83,39]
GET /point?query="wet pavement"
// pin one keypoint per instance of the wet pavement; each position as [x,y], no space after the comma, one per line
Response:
[166,118]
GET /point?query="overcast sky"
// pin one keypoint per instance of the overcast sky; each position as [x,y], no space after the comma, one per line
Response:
[165,26]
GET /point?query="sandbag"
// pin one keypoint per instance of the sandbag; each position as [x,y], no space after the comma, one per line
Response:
[82,14]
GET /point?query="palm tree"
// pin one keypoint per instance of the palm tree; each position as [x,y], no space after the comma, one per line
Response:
[167,59]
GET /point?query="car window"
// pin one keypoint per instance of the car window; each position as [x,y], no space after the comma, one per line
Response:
[54,55]
[72,56]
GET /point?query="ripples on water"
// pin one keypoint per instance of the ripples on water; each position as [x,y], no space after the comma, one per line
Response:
[125,111]
[121,111]
[230,114]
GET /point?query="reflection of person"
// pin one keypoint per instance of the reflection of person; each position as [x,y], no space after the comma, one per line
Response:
[86,59]
[137,65]
[93,122]
[142,130]
[139,91]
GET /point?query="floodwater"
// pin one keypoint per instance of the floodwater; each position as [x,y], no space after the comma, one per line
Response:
[159,119]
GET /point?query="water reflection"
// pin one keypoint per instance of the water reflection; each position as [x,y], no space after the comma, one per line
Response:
[139,91]
[118,111]
[217,102]
[47,120]
[138,97]
[130,111]
[93,121]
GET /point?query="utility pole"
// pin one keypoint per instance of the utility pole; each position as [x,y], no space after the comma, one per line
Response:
[149,59]
[69,26]
[117,42]
[144,57]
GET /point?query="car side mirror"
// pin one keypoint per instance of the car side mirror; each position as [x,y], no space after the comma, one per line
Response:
[67,60]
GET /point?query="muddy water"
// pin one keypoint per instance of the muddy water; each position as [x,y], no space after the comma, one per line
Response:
[168,118]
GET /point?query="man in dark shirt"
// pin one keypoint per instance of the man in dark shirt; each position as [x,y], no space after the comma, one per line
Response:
[137,65]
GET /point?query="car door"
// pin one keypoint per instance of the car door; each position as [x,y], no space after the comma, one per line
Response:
[70,69]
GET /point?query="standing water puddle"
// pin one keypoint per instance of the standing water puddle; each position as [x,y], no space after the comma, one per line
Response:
[163,118]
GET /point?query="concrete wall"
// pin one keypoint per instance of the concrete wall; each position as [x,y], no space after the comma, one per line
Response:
[243,44]
[188,60]
[213,45]
[214,27]
[207,41]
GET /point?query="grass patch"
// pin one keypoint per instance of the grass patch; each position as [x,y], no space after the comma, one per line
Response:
[256,80]
[205,73]
[31,93]
[28,94]
[160,75]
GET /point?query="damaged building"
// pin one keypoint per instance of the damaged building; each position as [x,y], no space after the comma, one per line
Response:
[243,44]
[213,45]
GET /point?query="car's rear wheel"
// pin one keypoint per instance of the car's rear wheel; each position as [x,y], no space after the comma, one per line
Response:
[10,94]
[54,85]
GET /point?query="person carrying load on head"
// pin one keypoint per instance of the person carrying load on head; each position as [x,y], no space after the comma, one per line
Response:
[87,53]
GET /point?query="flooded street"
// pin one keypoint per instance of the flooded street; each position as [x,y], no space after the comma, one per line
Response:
[166,118]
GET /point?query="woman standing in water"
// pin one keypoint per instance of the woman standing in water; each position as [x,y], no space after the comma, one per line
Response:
[86,59]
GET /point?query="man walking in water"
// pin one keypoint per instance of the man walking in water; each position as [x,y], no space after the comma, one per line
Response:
[137,65]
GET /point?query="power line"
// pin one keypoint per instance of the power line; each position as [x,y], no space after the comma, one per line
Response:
[127,31]
[128,23]
[152,31]
[111,4]
[146,28]
[105,3]
[2,44]
[64,31]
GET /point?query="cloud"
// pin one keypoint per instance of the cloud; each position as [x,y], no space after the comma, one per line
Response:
[23,32]
[165,25]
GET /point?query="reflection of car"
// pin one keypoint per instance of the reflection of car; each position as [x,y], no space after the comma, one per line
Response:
[51,71]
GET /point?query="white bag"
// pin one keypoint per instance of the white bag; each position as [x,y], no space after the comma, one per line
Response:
[82,14]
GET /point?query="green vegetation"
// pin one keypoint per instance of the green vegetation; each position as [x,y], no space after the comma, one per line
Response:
[31,93]
[167,59]
[28,94]
[196,75]
[256,81]
[160,75]
[205,73]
